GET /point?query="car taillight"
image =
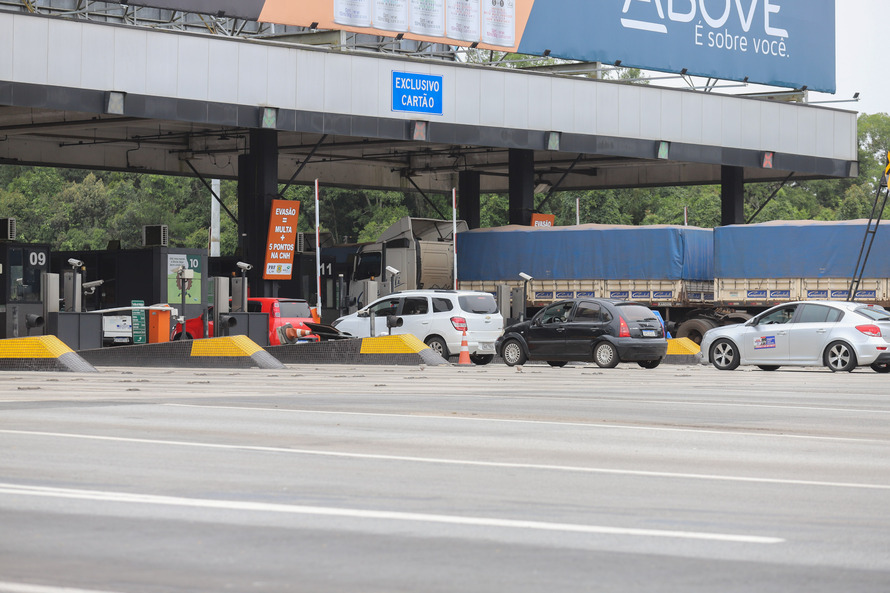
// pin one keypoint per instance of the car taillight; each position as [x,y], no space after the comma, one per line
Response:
[276,310]
[459,323]
[623,330]
[870,330]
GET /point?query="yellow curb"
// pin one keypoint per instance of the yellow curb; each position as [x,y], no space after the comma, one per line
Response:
[33,347]
[683,347]
[225,346]
[401,344]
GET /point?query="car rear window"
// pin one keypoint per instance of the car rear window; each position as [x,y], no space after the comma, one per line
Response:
[294,309]
[636,313]
[874,313]
[478,303]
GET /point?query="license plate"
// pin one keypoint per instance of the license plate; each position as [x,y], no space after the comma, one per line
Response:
[486,346]
[650,333]
[122,340]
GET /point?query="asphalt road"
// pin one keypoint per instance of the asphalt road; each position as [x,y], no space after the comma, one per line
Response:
[389,479]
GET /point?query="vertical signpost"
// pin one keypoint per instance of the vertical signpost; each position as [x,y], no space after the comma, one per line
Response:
[138,323]
[279,263]
[317,251]
[454,231]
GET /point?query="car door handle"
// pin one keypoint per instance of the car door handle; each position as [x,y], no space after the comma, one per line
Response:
[783,333]
[821,331]
[560,329]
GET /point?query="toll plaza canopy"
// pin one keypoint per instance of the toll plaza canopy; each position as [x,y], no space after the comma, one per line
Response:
[85,94]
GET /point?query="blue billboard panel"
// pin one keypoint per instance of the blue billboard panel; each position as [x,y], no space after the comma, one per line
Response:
[788,43]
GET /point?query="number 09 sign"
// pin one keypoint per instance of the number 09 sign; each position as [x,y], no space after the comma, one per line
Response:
[280,241]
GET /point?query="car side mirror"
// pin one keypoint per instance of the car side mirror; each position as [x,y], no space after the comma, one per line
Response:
[363,313]
[537,322]
[751,322]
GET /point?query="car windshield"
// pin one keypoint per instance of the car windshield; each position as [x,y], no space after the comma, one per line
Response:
[294,309]
[482,304]
[636,313]
[874,313]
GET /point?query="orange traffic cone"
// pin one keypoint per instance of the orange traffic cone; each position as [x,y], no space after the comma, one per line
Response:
[464,351]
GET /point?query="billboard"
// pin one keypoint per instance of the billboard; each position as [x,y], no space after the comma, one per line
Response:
[787,43]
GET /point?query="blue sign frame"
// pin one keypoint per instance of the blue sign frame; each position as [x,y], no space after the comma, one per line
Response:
[417,93]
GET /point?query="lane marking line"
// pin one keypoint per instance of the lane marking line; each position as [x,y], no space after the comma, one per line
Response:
[26,588]
[468,463]
[538,422]
[232,505]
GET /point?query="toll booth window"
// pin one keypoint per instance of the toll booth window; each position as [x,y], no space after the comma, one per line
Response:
[415,306]
[368,266]
[24,275]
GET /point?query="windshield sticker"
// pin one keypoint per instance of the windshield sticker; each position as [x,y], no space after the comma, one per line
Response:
[764,342]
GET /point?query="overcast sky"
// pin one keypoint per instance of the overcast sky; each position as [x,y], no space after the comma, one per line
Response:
[863,57]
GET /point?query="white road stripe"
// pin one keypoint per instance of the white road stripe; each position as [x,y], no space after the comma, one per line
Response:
[25,588]
[454,418]
[232,505]
[469,463]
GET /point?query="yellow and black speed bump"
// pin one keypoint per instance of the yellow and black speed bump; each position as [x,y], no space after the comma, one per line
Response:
[237,352]
[405,349]
[681,351]
[41,353]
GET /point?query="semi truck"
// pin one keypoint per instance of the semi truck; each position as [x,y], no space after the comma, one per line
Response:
[413,253]
[696,278]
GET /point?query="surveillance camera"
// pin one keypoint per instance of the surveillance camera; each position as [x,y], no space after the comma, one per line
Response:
[391,270]
[92,285]
[524,276]
[75,262]
[244,266]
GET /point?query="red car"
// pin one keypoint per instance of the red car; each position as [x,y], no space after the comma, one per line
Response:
[282,312]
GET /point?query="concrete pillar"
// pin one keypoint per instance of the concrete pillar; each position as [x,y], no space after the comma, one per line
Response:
[257,187]
[468,190]
[522,186]
[732,195]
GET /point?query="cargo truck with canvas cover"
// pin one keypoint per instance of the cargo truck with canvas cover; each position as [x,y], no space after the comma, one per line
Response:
[761,265]
[696,278]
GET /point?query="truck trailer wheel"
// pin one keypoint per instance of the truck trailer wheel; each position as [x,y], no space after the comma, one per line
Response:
[725,355]
[695,329]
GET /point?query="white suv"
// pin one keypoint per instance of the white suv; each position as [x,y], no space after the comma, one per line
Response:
[438,317]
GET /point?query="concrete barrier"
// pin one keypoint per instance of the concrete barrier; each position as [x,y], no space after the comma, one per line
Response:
[403,349]
[224,352]
[681,351]
[41,353]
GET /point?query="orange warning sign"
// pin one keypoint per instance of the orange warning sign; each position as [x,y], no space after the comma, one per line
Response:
[281,240]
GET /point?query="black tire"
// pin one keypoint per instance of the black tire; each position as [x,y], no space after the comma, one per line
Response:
[605,355]
[557,363]
[179,336]
[437,345]
[768,367]
[694,329]
[839,357]
[649,364]
[513,353]
[481,359]
[880,367]
[725,355]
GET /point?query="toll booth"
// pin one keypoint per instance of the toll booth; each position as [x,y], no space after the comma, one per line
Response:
[21,300]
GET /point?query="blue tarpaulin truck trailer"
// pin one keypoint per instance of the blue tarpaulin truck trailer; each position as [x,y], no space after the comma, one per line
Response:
[697,278]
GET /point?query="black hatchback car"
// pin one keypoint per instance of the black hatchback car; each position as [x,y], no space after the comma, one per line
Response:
[604,331]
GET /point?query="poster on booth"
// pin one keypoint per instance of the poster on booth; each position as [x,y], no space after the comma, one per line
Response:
[176,286]
[543,220]
[279,263]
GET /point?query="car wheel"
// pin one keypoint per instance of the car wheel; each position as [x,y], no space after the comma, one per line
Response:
[437,345]
[725,355]
[839,357]
[605,355]
[880,367]
[768,367]
[178,336]
[557,363]
[513,353]
[649,364]
[481,358]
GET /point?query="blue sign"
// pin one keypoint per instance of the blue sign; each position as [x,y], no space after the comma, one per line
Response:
[756,294]
[866,294]
[640,295]
[788,43]
[543,295]
[618,294]
[780,294]
[589,294]
[839,294]
[565,295]
[416,93]
[817,294]
[663,295]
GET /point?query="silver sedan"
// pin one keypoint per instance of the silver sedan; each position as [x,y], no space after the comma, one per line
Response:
[835,334]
